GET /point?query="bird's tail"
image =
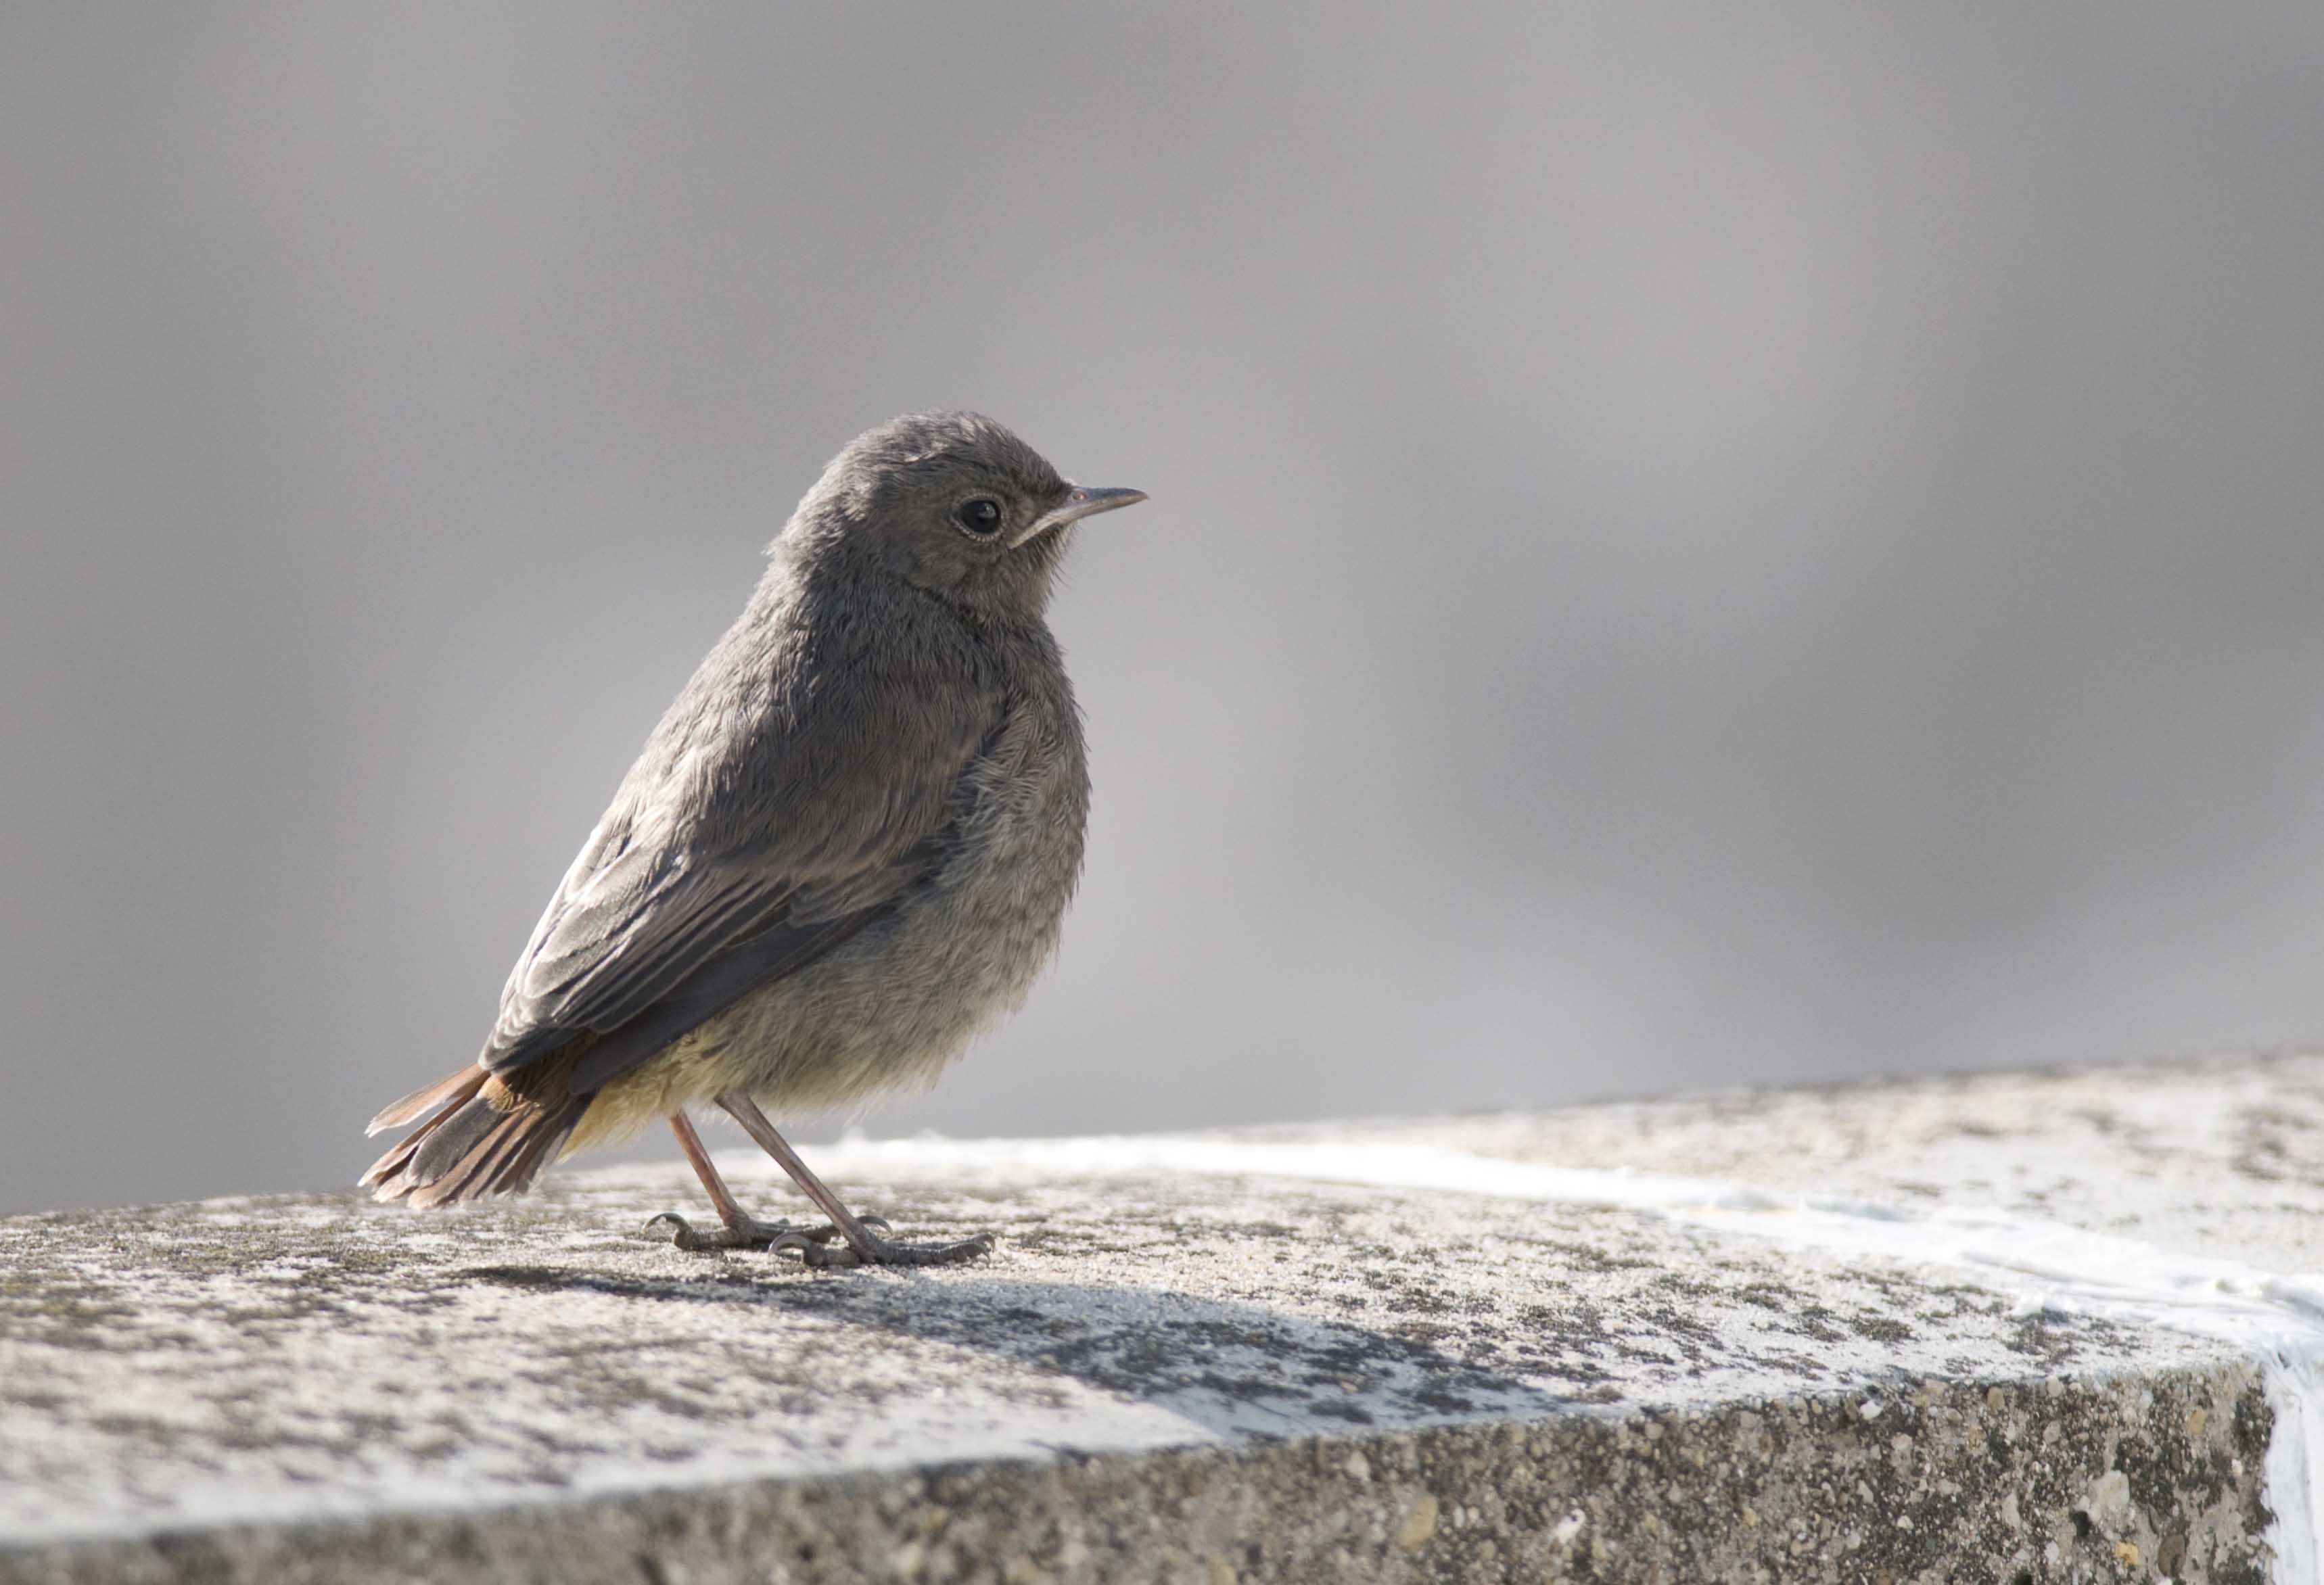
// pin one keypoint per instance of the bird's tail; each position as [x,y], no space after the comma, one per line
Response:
[475,1143]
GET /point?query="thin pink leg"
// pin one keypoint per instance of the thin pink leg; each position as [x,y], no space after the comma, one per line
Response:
[730,1210]
[868,1248]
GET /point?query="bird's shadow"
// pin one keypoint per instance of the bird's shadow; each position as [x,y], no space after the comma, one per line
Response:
[1230,1367]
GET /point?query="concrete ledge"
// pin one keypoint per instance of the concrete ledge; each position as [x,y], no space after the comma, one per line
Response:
[2036,1327]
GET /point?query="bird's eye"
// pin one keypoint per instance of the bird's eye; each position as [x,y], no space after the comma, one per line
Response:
[980,515]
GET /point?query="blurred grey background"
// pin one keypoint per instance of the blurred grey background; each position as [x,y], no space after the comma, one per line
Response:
[1689,546]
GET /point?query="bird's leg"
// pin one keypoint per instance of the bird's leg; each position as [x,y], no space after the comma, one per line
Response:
[863,1247]
[738,1228]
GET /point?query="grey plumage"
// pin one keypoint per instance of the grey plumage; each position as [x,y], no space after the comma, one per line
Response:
[846,847]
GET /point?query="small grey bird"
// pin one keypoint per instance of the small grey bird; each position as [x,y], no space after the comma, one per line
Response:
[845,850]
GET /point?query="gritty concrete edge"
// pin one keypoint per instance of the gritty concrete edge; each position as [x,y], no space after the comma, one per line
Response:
[2027,1482]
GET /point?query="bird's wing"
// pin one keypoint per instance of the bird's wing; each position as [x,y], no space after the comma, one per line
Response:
[734,855]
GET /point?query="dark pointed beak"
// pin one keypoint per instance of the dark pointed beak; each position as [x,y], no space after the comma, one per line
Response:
[1082,502]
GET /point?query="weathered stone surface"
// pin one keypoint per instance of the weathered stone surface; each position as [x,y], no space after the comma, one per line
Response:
[2022,1327]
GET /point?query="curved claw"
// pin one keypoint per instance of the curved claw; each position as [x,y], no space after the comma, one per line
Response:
[682,1232]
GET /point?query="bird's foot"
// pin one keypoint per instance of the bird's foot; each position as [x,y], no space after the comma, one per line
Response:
[836,1255]
[747,1233]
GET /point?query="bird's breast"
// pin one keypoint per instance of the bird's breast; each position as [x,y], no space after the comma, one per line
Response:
[1016,850]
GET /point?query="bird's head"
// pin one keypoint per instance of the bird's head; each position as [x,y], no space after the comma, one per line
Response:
[954,503]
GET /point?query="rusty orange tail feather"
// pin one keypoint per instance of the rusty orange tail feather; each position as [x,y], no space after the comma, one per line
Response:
[444,1091]
[470,1148]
